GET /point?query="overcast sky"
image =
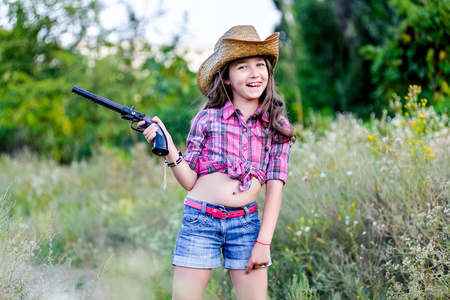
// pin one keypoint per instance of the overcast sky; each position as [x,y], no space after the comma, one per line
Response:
[207,20]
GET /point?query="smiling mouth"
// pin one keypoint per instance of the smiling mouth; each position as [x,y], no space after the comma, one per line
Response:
[254,84]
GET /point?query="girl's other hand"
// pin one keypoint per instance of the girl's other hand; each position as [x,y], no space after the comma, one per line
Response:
[259,257]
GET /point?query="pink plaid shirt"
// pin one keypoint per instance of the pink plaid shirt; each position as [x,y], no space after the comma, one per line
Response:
[220,140]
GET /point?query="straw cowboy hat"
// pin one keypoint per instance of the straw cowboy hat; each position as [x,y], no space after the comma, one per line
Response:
[238,42]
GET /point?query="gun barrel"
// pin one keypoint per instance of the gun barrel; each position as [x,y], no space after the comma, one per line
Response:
[98,99]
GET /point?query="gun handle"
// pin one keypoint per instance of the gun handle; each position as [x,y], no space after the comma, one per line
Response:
[160,141]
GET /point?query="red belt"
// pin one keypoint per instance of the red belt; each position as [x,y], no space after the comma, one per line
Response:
[220,213]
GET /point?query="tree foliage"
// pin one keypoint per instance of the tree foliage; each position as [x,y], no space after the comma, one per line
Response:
[417,52]
[39,64]
[352,55]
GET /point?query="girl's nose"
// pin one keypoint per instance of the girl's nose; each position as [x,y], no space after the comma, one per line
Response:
[254,73]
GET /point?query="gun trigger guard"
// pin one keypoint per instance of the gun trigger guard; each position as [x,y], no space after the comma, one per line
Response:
[137,128]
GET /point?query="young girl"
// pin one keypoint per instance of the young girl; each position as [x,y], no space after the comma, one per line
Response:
[237,143]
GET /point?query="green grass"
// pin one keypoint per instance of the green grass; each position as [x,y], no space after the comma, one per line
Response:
[365,216]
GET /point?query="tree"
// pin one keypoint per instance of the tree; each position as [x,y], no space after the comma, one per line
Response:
[351,55]
[416,53]
[38,68]
[34,72]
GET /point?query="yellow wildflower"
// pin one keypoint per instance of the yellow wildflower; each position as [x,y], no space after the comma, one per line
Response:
[320,240]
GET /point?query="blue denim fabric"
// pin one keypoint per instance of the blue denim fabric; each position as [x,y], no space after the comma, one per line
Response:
[204,241]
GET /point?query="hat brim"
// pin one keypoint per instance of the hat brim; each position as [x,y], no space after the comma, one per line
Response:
[232,49]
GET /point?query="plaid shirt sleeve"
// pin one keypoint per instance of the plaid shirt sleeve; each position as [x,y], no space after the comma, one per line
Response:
[278,162]
[279,159]
[196,140]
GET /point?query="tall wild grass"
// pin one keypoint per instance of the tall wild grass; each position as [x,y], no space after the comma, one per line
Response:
[365,215]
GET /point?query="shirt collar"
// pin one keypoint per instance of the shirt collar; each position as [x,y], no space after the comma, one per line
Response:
[228,109]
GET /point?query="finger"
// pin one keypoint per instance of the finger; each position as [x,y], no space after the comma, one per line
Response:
[249,268]
[157,120]
[150,129]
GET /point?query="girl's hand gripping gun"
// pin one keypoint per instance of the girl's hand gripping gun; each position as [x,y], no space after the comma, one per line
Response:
[128,113]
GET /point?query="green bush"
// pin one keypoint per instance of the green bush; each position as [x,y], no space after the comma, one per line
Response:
[356,193]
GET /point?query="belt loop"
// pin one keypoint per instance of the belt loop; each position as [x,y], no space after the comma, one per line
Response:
[246,210]
[204,208]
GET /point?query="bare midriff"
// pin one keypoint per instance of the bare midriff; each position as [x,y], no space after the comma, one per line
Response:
[219,188]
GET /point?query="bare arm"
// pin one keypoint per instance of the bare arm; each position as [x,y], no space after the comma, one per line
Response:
[261,253]
[271,210]
[185,176]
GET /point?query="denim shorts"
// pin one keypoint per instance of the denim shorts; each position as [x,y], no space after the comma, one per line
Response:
[204,241]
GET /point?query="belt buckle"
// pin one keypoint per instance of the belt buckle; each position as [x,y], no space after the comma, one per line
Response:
[223,210]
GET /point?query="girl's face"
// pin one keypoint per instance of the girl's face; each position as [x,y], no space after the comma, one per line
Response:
[248,78]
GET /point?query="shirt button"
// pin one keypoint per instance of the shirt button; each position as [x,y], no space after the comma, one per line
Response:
[245,148]
[245,129]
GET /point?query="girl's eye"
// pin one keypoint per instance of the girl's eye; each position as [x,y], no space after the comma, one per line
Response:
[241,67]
[261,64]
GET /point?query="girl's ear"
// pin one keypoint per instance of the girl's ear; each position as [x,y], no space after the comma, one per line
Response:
[227,81]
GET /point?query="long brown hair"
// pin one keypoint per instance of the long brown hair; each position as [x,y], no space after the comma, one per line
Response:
[272,103]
